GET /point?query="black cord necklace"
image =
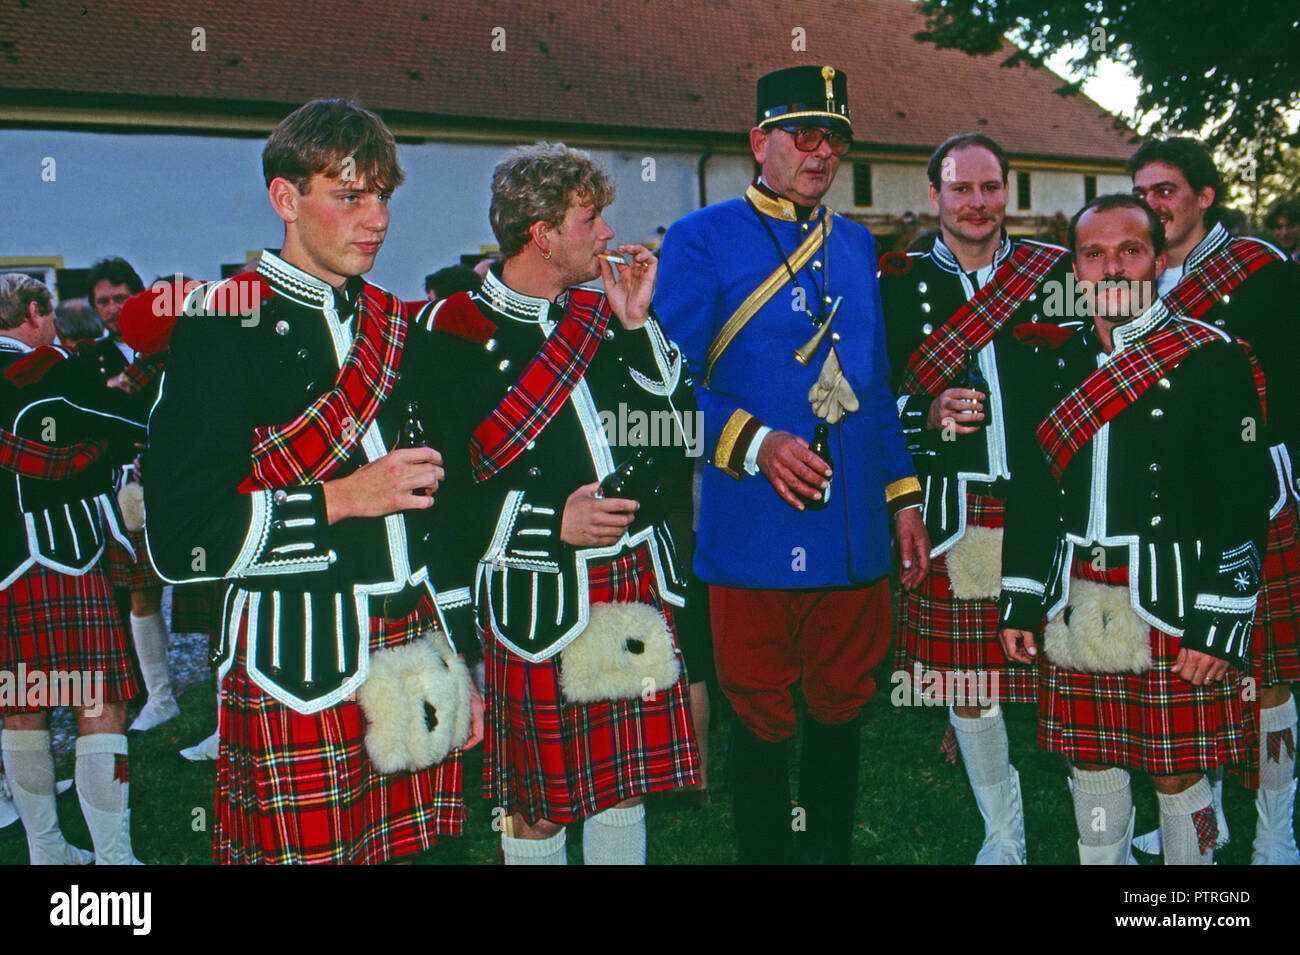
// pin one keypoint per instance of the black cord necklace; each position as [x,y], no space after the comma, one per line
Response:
[824,298]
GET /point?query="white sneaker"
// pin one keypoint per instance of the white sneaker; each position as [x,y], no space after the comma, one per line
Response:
[1115,854]
[1004,822]
[1274,832]
[206,749]
[155,713]
[8,811]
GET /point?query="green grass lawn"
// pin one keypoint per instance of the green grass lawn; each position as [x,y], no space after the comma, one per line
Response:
[914,807]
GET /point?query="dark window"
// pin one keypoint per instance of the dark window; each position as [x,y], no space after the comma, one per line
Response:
[1022,190]
[862,183]
[1089,188]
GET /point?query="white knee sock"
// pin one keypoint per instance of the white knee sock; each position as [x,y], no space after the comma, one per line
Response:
[535,851]
[104,789]
[1180,814]
[1277,757]
[615,837]
[1103,804]
[984,747]
[30,768]
[151,638]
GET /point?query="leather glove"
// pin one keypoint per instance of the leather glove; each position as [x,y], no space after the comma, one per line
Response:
[832,396]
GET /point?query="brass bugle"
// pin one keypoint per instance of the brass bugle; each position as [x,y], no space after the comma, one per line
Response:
[804,354]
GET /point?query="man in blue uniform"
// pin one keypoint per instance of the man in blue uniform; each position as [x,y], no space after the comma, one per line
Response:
[745,284]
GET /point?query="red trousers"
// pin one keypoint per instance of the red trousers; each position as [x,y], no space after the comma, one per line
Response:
[764,641]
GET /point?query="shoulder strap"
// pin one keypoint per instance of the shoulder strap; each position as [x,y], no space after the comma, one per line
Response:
[760,296]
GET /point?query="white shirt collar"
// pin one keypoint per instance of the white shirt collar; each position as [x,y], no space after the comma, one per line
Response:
[516,305]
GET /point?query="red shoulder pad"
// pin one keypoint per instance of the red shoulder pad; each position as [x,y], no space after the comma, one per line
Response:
[458,315]
[894,263]
[1042,334]
[33,366]
[411,310]
[147,318]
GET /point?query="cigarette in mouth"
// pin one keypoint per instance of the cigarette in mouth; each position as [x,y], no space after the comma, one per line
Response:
[612,259]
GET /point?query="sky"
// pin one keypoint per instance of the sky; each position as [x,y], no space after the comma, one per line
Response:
[1113,87]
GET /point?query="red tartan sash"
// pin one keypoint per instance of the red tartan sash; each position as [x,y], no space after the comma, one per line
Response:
[1217,276]
[313,445]
[941,357]
[1112,388]
[32,459]
[544,386]
[1108,391]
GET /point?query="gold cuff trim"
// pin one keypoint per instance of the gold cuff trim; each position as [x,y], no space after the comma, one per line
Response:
[727,442]
[907,485]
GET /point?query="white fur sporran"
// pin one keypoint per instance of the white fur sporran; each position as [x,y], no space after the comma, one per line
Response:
[1104,634]
[975,564]
[416,701]
[130,500]
[626,652]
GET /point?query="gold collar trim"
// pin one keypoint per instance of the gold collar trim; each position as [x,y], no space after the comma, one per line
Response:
[782,209]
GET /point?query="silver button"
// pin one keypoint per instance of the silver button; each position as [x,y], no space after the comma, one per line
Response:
[525,508]
[922,287]
[1033,297]
[1157,412]
[827,299]
[609,334]
[1164,383]
[835,337]
[804,226]
[1155,495]
[927,328]
[1153,467]
[1155,521]
[1227,299]
[503,364]
[490,344]
[302,354]
[282,327]
[332,556]
[530,445]
[280,496]
[1060,363]
[534,472]
[817,264]
[1219,322]
[925,307]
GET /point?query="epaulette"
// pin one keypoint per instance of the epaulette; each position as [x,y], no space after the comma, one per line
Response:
[34,366]
[1042,334]
[458,315]
[894,263]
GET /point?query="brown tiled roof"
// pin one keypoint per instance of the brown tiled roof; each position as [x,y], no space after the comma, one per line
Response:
[685,67]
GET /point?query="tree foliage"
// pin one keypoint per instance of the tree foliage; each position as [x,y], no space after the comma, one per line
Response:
[1223,71]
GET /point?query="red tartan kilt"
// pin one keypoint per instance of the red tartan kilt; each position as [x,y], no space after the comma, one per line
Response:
[1155,721]
[60,622]
[549,759]
[294,788]
[1277,619]
[939,633]
[196,607]
[133,575]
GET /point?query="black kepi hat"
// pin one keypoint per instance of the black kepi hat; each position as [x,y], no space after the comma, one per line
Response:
[804,95]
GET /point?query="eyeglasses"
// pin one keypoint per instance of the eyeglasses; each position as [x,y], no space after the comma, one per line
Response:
[808,139]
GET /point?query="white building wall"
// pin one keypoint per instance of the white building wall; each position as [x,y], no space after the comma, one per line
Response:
[187,203]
